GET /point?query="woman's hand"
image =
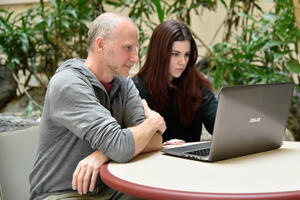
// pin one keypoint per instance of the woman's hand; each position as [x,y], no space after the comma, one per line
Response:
[174,142]
[87,171]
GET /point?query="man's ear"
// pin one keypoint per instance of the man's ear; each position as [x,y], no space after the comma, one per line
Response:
[99,46]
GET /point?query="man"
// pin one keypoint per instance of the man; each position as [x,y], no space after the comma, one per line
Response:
[93,113]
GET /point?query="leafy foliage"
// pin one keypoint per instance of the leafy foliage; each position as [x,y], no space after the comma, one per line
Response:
[38,40]
[264,51]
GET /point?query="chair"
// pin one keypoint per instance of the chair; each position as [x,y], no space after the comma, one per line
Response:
[17,152]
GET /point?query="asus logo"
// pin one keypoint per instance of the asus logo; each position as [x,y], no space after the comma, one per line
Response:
[254,120]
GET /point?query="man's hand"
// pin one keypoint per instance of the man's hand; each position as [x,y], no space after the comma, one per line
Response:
[157,120]
[87,171]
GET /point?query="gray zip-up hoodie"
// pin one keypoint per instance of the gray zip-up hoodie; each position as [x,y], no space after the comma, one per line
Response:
[80,117]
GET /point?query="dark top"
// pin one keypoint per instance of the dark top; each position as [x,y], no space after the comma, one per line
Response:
[205,115]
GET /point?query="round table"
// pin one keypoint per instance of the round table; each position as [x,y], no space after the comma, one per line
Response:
[268,175]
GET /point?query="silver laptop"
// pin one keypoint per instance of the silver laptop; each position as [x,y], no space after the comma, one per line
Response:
[249,119]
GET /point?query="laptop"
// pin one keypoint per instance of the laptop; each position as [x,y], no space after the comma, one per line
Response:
[249,119]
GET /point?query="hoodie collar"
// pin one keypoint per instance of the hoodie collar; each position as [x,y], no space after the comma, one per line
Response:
[78,65]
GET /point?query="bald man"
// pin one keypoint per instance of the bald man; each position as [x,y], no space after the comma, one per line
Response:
[93,113]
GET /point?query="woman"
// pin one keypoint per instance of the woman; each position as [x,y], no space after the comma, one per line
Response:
[171,84]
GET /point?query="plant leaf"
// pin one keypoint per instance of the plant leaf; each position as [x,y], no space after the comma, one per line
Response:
[293,66]
[160,12]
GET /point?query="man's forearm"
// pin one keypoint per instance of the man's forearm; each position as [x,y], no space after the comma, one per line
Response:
[154,144]
[143,134]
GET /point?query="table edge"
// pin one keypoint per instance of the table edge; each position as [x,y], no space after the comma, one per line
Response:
[154,193]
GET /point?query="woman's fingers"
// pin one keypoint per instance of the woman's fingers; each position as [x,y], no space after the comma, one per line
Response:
[174,142]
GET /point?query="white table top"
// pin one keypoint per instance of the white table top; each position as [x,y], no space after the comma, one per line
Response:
[276,171]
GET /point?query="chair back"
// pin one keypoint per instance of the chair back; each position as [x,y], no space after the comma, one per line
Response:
[17,152]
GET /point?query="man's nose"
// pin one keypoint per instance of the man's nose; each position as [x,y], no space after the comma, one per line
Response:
[134,57]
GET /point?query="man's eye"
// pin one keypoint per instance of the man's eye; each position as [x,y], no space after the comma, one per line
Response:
[128,47]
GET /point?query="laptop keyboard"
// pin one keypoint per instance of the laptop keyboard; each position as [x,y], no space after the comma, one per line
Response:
[199,152]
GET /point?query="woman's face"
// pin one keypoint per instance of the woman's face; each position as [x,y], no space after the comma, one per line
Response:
[179,58]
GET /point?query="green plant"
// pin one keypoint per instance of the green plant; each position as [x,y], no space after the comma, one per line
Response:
[233,20]
[63,27]
[19,42]
[38,40]
[261,53]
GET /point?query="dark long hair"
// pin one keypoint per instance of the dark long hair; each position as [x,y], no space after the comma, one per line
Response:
[155,72]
